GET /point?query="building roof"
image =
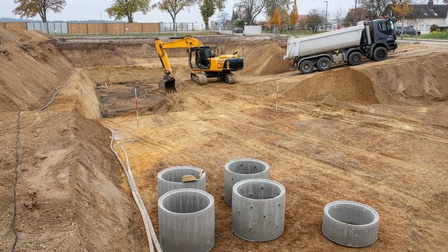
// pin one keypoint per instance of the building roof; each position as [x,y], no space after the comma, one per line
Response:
[437,11]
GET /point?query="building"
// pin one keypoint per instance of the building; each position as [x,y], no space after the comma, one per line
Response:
[427,15]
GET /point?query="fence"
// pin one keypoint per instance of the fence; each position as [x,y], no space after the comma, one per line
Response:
[165,27]
[97,28]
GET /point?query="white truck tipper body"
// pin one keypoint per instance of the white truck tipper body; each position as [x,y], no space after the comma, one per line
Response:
[324,42]
[371,39]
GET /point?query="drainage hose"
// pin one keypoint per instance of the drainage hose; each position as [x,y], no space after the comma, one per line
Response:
[150,233]
[57,91]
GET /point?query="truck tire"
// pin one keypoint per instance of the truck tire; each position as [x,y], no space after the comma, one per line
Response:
[324,64]
[380,53]
[306,67]
[355,58]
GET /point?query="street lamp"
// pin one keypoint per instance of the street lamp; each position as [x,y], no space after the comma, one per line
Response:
[326,14]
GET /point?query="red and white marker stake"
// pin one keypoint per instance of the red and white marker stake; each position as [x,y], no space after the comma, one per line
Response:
[276,98]
[136,105]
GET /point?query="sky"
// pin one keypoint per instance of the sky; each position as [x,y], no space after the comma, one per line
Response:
[77,10]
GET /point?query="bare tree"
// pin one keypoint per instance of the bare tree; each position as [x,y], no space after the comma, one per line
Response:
[30,8]
[173,7]
[374,8]
[250,9]
[127,8]
[272,5]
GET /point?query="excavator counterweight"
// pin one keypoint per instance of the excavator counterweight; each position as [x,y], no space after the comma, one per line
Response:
[203,63]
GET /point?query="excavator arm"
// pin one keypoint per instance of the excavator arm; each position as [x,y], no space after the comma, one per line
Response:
[168,82]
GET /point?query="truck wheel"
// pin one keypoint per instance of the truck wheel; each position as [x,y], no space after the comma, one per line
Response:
[324,64]
[306,67]
[380,53]
[355,58]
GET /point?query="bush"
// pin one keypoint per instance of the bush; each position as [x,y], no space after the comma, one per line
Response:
[436,35]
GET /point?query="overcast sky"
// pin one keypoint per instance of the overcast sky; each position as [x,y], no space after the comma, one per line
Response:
[94,10]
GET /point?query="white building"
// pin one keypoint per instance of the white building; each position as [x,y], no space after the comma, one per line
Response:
[427,15]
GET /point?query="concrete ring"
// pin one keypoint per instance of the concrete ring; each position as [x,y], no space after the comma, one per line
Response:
[350,224]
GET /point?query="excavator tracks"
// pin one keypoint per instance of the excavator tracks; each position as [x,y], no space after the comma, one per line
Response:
[201,79]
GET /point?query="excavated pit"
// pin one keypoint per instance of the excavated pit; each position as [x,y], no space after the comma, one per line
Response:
[374,133]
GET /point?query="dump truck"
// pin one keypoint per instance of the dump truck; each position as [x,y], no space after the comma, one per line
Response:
[368,39]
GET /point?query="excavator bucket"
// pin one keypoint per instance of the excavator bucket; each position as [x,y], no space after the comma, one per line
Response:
[168,85]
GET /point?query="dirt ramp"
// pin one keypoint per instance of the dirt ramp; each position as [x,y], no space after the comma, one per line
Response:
[421,80]
[31,69]
[264,58]
[346,85]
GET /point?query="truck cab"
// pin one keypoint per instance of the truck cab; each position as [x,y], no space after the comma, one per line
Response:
[381,34]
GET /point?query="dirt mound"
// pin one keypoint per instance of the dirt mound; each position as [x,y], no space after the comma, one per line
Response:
[345,85]
[414,81]
[69,196]
[419,80]
[32,67]
[264,58]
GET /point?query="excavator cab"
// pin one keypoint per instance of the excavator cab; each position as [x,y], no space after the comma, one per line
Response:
[200,57]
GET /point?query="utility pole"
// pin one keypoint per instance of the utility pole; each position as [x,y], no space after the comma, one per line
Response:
[326,14]
[356,7]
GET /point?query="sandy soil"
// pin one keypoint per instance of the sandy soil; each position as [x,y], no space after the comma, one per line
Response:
[375,133]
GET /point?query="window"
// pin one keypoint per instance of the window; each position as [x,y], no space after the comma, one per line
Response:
[385,26]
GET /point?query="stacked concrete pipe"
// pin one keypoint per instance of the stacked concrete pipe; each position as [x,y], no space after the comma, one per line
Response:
[258,210]
[186,220]
[350,223]
[171,178]
[240,169]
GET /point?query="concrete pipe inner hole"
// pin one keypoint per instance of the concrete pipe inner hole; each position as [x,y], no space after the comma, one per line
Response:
[259,190]
[186,201]
[247,167]
[352,214]
[176,174]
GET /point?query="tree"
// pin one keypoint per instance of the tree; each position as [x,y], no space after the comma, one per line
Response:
[173,7]
[272,5]
[250,9]
[30,8]
[358,13]
[315,18]
[402,11]
[222,18]
[127,8]
[294,15]
[276,18]
[208,8]
[374,8]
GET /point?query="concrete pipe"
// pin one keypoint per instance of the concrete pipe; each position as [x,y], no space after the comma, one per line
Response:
[186,220]
[350,224]
[258,210]
[240,169]
[171,178]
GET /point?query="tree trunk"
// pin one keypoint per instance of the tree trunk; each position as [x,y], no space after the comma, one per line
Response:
[205,19]
[174,25]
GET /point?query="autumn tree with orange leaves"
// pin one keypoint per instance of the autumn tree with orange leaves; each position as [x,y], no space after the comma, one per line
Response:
[294,15]
[402,10]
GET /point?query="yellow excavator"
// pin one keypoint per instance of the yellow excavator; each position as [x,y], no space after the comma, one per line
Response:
[204,63]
